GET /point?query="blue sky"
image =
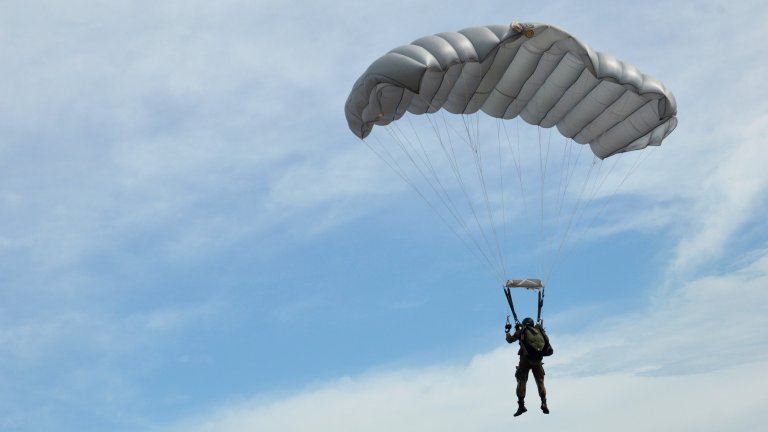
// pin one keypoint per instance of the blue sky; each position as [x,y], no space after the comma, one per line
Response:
[191,238]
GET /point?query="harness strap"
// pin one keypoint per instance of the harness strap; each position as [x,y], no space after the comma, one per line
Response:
[541,305]
[508,294]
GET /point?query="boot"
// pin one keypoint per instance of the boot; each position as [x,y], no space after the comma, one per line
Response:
[544,407]
[520,408]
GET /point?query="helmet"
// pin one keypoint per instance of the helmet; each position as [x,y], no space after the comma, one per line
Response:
[528,322]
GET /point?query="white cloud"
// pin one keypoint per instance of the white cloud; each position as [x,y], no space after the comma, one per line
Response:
[697,327]
[174,318]
[688,362]
[128,122]
[481,397]
[34,342]
[728,196]
[208,123]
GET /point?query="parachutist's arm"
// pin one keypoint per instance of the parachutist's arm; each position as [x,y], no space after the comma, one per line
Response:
[513,337]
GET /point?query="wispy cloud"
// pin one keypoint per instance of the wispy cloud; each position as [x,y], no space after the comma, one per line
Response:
[84,332]
[728,197]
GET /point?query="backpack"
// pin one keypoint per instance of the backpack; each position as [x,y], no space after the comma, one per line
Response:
[536,342]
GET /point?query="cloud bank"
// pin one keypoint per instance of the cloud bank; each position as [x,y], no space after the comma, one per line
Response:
[692,362]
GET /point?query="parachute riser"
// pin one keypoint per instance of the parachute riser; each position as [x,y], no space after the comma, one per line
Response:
[528,284]
[539,320]
[508,294]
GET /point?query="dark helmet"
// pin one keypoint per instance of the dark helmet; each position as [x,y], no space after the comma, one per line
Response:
[528,322]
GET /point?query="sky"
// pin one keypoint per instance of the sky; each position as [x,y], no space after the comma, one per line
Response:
[191,239]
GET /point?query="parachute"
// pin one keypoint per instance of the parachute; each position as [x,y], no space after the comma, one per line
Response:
[535,72]
[543,74]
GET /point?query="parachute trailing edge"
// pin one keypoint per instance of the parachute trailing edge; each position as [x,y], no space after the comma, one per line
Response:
[535,71]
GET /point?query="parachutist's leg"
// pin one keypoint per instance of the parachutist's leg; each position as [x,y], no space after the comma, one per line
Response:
[538,375]
[522,377]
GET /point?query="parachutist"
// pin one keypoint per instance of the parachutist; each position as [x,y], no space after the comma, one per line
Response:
[534,346]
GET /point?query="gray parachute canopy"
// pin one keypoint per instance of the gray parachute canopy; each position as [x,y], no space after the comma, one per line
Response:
[536,71]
